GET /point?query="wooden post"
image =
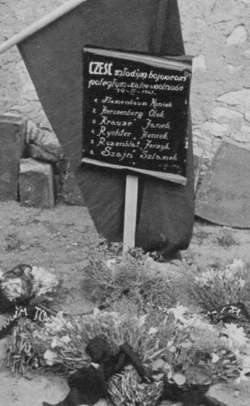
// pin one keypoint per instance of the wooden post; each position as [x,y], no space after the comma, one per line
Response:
[131,197]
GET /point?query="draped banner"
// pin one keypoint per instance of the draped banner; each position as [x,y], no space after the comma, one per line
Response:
[54,58]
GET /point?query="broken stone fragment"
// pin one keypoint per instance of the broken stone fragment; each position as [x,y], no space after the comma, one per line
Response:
[43,143]
[39,152]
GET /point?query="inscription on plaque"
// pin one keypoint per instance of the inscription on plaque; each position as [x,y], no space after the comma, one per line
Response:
[136,112]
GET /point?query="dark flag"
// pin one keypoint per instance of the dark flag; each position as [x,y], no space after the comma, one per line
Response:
[54,58]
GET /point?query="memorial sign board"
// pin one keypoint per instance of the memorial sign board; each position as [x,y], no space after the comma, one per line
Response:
[136,112]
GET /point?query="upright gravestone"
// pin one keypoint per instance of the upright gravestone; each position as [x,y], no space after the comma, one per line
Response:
[12,142]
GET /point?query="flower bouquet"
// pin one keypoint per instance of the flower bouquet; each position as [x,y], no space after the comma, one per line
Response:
[26,291]
[24,284]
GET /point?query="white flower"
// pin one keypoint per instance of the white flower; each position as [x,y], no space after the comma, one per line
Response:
[158,364]
[236,336]
[180,379]
[55,342]
[65,339]
[60,342]
[111,263]
[215,358]
[237,266]
[96,311]
[179,313]
[153,330]
[50,357]
[44,281]
[141,320]
[13,288]
[246,361]
[237,353]
[56,323]
[232,271]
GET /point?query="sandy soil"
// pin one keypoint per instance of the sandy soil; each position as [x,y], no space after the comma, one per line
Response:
[59,238]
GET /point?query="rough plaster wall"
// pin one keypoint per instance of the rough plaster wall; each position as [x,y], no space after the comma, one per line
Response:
[17,93]
[215,32]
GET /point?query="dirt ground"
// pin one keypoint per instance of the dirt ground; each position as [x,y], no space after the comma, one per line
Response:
[59,238]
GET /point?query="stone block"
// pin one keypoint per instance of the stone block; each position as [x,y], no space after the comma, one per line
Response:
[66,188]
[12,144]
[224,195]
[36,186]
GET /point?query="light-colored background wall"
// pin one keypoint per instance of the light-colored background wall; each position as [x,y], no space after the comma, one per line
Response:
[216,33]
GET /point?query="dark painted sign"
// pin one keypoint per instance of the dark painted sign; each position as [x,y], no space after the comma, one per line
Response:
[136,112]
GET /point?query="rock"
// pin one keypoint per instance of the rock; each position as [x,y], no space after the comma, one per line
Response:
[239,99]
[238,36]
[12,143]
[218,130]
[36,185]
[219,113]
[245,129]
[243,135]
[233,69]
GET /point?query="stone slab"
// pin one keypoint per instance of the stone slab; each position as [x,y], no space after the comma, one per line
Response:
[224,195]
[36,186]
[12,144]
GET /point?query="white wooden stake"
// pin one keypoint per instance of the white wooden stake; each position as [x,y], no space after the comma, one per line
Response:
[131,197]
